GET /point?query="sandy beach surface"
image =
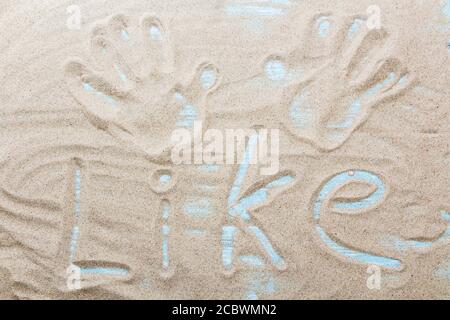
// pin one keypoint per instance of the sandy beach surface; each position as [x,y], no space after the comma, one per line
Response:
[349,201]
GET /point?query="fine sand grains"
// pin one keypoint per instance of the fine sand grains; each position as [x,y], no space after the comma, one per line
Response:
[91,205]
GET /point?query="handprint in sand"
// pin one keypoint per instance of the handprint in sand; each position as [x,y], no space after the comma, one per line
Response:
[132,64]
[327,87]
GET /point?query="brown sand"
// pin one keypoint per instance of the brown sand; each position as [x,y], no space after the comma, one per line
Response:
[52,129]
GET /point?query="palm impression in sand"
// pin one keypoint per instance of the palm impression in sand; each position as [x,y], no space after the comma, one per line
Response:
[329,85]
[132,64]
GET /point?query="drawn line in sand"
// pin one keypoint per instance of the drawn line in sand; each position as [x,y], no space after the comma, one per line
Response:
[165,180]
[194,232]
[302,114]
[125,35]
[208,78]
[165,230]
[323,25]
[351,207]
[275,70]
[267,8]
[121,74]
[155,33]
[355,27]
[87,87]
[189,112]
[75,229]
[200,207]
[258,280]
[209,188]
[443,271]
[238,207]
[446,11]
[254,14]
[209,168]
[76,233]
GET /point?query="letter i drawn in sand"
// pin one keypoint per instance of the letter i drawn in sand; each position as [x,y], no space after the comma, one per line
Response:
[167,270]
[163,181]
